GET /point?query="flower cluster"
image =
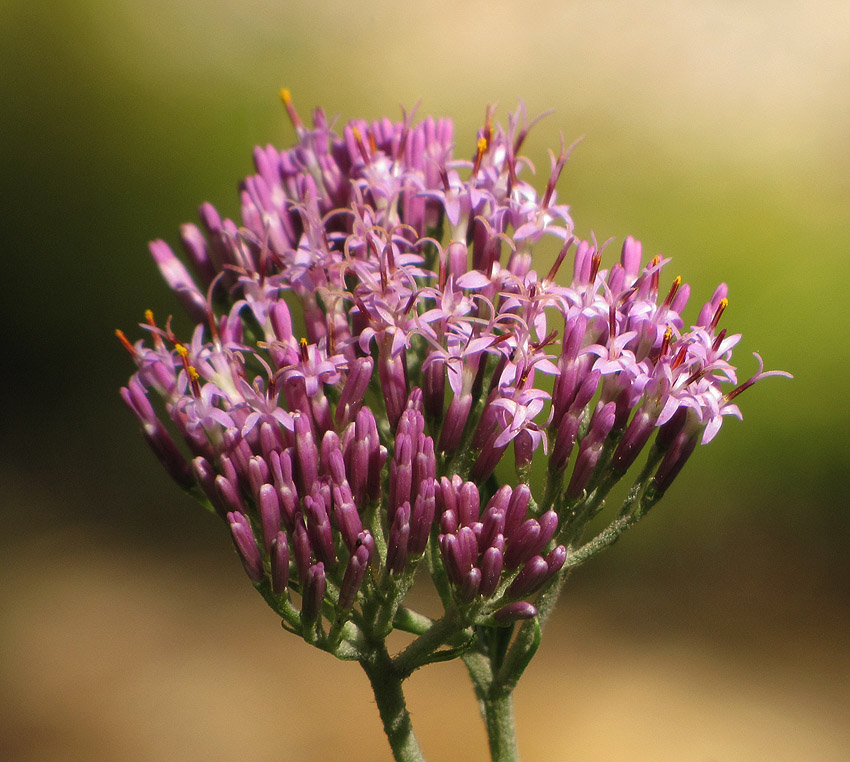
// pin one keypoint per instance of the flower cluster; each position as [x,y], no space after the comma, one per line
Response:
[379,296]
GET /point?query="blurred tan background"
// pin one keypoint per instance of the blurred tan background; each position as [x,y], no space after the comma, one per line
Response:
[716,132]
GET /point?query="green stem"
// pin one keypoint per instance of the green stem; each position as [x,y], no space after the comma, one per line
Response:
[495,703]
[418,653]
[386,685]
[501,732]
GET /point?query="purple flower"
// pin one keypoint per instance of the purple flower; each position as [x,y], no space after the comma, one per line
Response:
[428,334]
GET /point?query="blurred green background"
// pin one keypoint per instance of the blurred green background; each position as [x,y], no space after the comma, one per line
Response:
[718,133]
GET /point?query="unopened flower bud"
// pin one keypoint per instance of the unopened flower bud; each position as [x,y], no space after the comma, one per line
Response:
[315,584]
[280,563]
[515,611]
[246,545]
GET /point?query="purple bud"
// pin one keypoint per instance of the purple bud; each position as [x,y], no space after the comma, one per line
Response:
[456,564]
[281,322]
[414,402]
[517,508]
[548,526]
[631,257]
[523,450]
[258,474]
[500,501]
[616,278]
[447,494]
[492,525]
[456,258]
[565,440]
[331,460]
[448,522]
[136,398]
[393,377]
[211,220]
[237,450]
[470,584]
[454,423]
[591,448]
[228,495]
[354,390]
[246,545]
[178,279]
[485,441]
[280,563]
[281,468]
[675,458]
[523,543]
[319,529]
[515,611]
[422,517]
[195,246]
[228,470]
[635,437]
[668,432]
[175,463]
[270,439]
[307,453]
[205,475]
[710,308]
[433,386]
[365,538]
[355,571]
[491,570]
[424,464]
[315,584]
[582,264]
[469,503]
[364,458]
[586,390]
[468,543]
[269,514]
[401,473]
[532,575]
[555,559]
[399,536]
[347,519]
[156,435]
[301,548]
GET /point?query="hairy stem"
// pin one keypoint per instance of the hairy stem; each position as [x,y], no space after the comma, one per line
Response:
[501,732]
[386,685]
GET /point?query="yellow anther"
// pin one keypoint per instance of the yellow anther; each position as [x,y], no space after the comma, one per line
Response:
[721,308]
[482,147]
[181,350]
[193,374]
[286,97]
[149,316]
[125,341]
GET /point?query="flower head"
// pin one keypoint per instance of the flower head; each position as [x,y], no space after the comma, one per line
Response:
[337,456]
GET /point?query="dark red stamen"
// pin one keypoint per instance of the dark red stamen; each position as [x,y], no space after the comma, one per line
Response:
[677,281]
[560,259]
[718,340]
[721,308]
[126,343]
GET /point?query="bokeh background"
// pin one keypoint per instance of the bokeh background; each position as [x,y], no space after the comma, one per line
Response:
[717,132]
